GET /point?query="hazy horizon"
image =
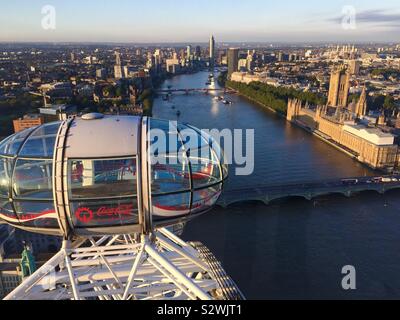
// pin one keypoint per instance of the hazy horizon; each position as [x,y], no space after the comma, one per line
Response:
[231,21]
[204,43]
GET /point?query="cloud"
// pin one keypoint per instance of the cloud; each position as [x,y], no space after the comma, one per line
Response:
[379,16]
[374,17]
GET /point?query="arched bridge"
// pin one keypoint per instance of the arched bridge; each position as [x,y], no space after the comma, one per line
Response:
[187,91]
[309,191]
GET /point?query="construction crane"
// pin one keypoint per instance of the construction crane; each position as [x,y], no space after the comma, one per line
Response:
[41,94]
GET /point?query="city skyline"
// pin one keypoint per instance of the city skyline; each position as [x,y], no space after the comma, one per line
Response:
[229,21]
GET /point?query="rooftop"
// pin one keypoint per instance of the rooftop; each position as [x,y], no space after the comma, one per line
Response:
[8,266]
[373,135]
[54,109]
[374,131]
[31,116]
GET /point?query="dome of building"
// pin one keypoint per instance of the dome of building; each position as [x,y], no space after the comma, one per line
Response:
[105,175]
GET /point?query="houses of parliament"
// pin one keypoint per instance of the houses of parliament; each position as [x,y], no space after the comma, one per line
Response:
[346,125]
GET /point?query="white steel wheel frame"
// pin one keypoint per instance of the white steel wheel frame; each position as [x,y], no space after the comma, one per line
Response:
[161,267]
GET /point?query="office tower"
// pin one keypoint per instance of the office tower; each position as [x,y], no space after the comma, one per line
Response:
[233,60]
[157,57]
[150,60]
[126,71]
[188,52]
[293,57]
[117,58]
[101,73]
[118,72]
[283,57]
[198,51]
[222,59]
[212,52]
[339,88]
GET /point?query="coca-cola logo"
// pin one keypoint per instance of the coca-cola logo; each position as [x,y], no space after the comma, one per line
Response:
[86,215]
[118,211]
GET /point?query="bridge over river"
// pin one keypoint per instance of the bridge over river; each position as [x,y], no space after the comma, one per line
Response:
[199,90]
[311,190]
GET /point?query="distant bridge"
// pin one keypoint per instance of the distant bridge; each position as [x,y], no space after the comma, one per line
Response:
[309,191]
[187,91]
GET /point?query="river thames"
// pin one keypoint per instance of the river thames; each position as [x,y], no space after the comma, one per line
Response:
[293,249]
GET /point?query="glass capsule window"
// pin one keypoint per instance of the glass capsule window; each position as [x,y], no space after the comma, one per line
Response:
[170,176]
[103,178]
[103,192]
[5,170]
[7,212]
[204,199]
[205,167]
[41,142]
[163,206]
[32,179]
[26,170]
[217,151]
[36,214]
[11,146]
[186,174]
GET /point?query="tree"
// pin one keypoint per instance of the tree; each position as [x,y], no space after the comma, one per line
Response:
[376,102]
[275,97]
[147,93]
[389,104]
[118,92]
[222,78]
[148,107]
[11,109]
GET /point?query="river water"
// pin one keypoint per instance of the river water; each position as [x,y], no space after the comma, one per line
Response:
[292,249]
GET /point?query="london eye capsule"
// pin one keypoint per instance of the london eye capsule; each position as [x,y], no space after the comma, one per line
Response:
[107,175]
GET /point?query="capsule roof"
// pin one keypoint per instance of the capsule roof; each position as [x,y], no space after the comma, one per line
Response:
[88,138]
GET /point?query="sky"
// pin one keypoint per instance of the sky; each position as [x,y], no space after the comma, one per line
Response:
[157,21]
